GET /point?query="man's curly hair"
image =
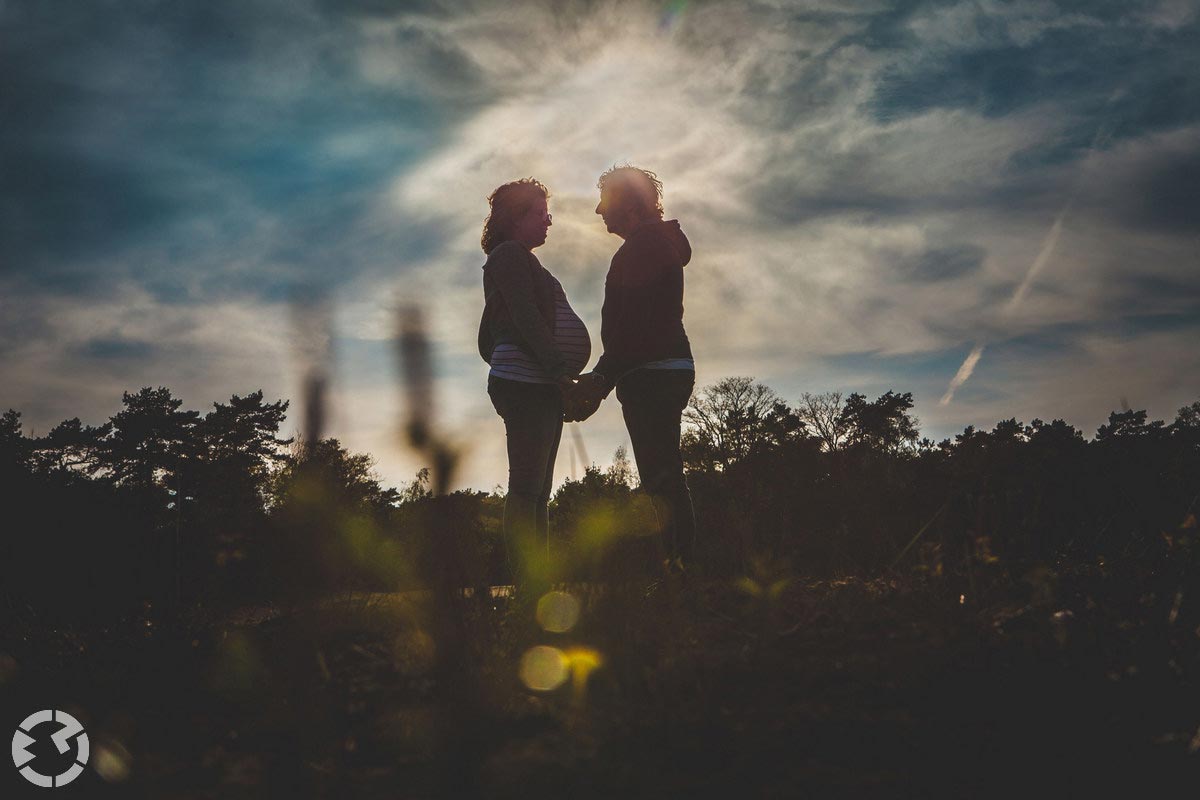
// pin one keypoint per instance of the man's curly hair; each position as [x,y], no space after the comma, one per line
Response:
[633,187]
[508,204]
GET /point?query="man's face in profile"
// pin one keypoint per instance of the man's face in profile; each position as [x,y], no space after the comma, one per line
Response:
[609,211]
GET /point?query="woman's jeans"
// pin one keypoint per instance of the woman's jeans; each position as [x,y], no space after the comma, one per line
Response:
[652,401]
[533,423]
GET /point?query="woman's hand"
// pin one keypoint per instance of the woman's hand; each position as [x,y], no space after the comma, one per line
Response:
[582,399]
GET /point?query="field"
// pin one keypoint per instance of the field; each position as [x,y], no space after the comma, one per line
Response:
[1072,682]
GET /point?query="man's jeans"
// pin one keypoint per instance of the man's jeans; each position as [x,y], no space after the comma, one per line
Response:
[652,401]
[533,423]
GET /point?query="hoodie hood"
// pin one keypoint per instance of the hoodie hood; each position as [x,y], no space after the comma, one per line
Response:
[668,231]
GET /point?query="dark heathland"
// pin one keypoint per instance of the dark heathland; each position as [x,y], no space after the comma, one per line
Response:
[232,614]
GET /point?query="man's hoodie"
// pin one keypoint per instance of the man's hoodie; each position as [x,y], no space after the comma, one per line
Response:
[642,318]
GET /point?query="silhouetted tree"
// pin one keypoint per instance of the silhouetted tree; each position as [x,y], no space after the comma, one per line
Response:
[884,424]
[149,438]
[223,488]
[71,449]
[732,419]
[1188,416]
[344,478]
[822,418]
[238,450]
[1129,424]
[14,447]
[599,522]
[621,471]
[418,489]
[1056,434]
[1186,427]
[328,515]
[575,499]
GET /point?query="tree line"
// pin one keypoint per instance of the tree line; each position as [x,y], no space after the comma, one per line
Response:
[163,508]
[850,483]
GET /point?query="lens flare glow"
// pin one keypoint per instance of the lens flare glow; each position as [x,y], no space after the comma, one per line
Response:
[672,15]
[557,612]
[581,663]
[543,668]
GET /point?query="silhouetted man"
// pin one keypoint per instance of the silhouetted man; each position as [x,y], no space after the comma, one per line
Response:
[647,357]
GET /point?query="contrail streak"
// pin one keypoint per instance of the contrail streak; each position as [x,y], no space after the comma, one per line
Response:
[1043,256]
[964,372]
[1039,262]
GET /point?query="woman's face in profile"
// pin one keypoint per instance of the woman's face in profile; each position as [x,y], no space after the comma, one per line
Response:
[531,228]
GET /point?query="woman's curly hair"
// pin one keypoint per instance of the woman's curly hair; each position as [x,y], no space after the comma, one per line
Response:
[634,187]
[508,204]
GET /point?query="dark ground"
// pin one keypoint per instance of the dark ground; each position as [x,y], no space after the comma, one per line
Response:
[1071,681]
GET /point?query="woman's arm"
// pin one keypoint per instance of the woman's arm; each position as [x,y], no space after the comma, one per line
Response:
[509,266]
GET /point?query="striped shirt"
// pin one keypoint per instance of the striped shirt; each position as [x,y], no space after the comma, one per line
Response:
[512,363]
[685,364]
[670,363]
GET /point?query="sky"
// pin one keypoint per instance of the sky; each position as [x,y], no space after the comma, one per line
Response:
[992,205]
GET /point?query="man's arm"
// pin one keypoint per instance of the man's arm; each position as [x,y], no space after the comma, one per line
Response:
[610,325]
[632,270]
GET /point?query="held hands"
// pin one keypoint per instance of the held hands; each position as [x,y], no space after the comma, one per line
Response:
[582,398]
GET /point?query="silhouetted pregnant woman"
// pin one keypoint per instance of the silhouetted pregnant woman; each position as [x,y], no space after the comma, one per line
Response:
[536,345]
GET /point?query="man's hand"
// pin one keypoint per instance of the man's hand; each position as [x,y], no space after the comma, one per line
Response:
[582,399]
[567,386]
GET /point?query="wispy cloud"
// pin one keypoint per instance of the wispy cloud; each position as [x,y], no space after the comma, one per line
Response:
[865,183]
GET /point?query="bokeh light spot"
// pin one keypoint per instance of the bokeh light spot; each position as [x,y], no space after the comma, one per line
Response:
[557,612]
[112,761]
[543,668]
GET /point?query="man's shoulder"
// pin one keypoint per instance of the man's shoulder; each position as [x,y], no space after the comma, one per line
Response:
[649,242]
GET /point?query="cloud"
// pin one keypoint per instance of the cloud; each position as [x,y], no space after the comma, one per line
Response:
[202,133]
[115,348]
[1150,184]
[79,359]
[1002,57]
[866,186]
[1171,14]
[943,263]
[1081,378]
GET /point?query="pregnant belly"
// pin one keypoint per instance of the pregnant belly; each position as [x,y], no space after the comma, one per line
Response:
[571,337]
